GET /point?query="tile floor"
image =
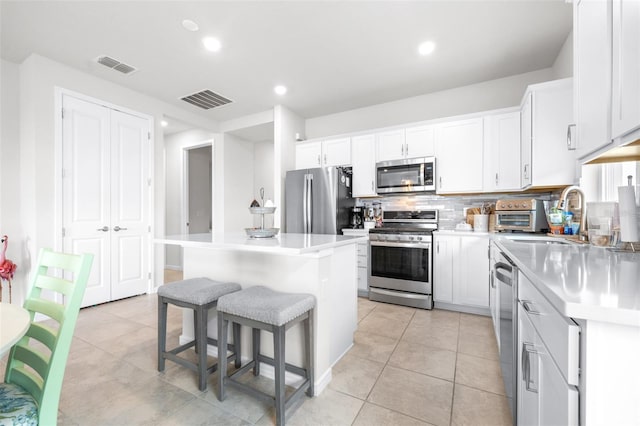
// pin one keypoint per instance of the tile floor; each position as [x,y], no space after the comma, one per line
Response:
[407,367]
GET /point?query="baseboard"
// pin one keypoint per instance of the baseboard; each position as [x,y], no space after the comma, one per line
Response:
[173,267]
[463,308]
[363,293]
[268,371]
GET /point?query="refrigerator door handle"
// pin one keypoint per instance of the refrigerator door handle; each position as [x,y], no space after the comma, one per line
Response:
[304,205]
[309,202]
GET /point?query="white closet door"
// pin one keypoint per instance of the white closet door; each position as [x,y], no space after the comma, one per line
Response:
[106,197]
[129,201]
[86,191]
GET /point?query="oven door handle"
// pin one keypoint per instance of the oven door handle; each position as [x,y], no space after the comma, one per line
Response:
[405,245]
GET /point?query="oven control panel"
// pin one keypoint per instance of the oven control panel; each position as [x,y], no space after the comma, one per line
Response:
[400,238]
[517,204]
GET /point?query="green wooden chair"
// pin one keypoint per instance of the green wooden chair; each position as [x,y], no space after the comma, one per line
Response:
[36,364]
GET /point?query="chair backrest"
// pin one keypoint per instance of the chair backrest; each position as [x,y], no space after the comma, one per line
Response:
[37,362]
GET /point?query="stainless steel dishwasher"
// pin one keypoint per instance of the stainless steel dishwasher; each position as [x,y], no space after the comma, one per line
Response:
[505,274]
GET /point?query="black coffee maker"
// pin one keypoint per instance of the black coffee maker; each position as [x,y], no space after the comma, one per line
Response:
[357,217]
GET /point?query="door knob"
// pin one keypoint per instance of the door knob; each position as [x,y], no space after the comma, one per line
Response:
[103,229]
[117,228]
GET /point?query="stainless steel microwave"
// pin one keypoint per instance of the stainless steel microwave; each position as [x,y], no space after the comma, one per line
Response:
[408,175]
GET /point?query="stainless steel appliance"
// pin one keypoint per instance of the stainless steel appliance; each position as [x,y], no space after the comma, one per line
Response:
[525,215]
[504,284]
[318,201]
[401,258]
[409,175]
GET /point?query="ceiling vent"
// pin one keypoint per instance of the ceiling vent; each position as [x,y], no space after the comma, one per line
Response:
[206,99]
[114,64]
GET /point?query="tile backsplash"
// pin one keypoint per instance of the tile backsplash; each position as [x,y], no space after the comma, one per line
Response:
[451,208]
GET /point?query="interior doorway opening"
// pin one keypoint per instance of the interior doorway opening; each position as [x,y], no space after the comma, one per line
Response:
[198,178]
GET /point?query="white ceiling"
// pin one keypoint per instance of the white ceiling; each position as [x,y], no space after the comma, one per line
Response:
[333,56]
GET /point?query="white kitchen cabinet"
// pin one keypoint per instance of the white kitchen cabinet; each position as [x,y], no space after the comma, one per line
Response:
[461,272]
[592,74]
[625,100]
[459,156]
[502,152]
[390,145]
[420,141]
[547,356]
[336,152]
[547,113]
[363,260]
[330,152]
[363,163]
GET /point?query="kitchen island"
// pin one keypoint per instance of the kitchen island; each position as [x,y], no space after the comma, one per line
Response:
[322,265]
[597,290]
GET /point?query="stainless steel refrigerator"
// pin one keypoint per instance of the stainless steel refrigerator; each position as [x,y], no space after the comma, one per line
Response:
[317,201]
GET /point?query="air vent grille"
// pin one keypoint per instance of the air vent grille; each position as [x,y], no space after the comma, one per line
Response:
[114,64]
[206,99]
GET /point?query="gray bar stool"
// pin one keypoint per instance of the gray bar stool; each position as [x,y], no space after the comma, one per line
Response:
[264,309]
[199,294]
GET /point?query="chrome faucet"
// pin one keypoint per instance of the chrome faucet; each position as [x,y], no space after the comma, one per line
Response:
[563,205]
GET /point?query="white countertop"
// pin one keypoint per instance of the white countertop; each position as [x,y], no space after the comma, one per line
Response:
[580,280]
[288,244]
[456,232]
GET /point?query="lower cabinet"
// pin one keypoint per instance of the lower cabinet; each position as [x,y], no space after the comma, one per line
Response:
[363,261]
[461,272]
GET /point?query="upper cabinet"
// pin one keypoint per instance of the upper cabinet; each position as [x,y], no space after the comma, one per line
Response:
[330,152]
[420,141]
[502,152]
[459,156]
[546,120]
[625,99]
[390,145]
[592,74]
[411,142]
[364,165]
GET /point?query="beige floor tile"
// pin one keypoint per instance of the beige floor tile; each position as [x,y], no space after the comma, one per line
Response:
[373,415]
[382,326]
[170,275]
[416,395]
[423,359]
[476,324]
[200,412]
[237,403]
[394,312]
[436,337]
[355,376]
[478,345]
[475,407]
[436,318]
[329,408]
[479,373]
[372,346]
[365,307]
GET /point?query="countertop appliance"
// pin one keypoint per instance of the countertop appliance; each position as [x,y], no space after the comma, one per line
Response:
[524,215]
[504,308]
[357,217]
[407,175]
[401,258]
[318,201]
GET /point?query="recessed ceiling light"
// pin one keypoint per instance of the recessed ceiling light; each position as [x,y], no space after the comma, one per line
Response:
[280,90]
[189,25]
[163,123]
[426,48]
[212,44]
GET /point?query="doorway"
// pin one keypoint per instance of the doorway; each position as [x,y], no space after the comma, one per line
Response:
[198,179]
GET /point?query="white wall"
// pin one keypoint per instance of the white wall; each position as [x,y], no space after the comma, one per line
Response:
[263,156]
[39,185]
[286,124]
[10,223]
[494,94]
[238,178]
[174,146]
[563,65]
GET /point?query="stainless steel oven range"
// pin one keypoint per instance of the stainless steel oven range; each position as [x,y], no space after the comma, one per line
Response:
[401,258]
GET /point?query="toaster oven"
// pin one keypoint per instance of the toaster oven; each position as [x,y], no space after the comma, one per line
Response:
[524,215]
